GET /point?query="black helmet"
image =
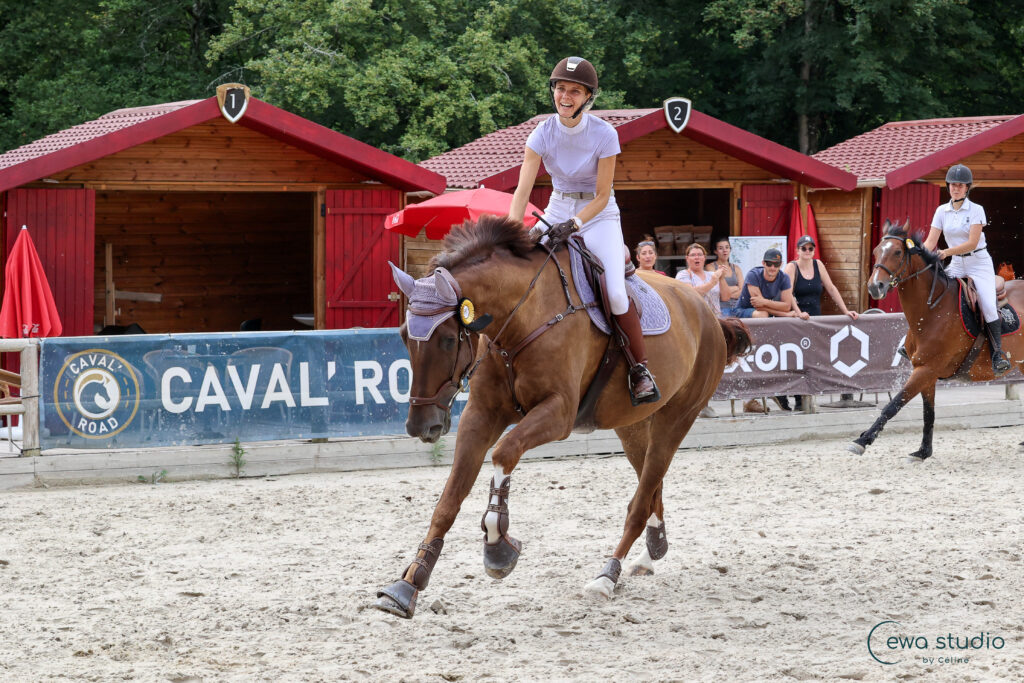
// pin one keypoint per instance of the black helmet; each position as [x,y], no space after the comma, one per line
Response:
[959,174]
[575,70]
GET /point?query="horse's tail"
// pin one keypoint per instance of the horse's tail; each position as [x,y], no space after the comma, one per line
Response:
[738,341]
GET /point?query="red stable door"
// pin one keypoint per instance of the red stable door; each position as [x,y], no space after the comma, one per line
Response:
[915,202]
[360,289]
[62,224]
[765,209]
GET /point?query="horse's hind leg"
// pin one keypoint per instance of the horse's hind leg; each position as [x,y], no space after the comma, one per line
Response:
[635,439]
[665,439]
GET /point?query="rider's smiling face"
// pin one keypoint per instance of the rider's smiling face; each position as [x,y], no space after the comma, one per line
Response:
[569,97]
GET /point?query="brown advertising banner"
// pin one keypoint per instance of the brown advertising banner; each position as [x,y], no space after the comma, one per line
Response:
[826,354]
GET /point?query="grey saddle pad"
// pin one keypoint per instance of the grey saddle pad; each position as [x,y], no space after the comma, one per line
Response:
[654,318]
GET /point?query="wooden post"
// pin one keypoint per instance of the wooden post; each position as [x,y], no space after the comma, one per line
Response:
[108,290]
[1012,392]
[735,197]
[30,390]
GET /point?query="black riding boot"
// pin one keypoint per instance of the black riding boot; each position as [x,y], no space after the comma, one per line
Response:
[642,388]
[1000,363]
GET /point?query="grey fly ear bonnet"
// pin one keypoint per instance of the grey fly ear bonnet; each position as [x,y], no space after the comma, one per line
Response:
[432,300]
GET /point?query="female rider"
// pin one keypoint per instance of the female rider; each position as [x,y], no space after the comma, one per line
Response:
[961,222]
[578,151]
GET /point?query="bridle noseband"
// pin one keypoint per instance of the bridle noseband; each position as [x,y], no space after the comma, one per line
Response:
[895,279]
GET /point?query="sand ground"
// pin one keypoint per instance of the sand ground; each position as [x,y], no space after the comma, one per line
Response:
[781,562]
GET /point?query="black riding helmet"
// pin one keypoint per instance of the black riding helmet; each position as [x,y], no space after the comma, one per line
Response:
[959,174]
[575,70]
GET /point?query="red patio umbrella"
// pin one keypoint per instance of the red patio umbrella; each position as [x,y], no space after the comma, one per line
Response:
[28,309]
[439,214]
[796,230]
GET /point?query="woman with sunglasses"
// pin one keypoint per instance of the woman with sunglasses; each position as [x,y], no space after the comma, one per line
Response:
[810,277]
[647,255]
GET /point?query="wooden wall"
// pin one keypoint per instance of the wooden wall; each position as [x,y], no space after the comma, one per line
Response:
[665,157]
[216,151]
[218,258]
[843,220]
[999,165]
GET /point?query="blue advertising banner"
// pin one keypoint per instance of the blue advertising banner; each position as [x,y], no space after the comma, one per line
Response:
[164,390]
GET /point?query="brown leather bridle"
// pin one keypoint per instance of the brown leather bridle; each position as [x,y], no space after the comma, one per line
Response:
[895,279]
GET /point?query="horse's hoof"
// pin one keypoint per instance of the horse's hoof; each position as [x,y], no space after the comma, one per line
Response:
[637,569]
[918,457]
[643,564]
[855,448]
[500,557]
[399,599]
[601,587]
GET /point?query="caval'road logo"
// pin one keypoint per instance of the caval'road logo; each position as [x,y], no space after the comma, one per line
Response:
[97,393]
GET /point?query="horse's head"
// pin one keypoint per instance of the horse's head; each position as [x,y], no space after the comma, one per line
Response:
[440,332]
[893,257]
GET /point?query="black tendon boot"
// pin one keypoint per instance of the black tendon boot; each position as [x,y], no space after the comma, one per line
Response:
[642,388]
[1000,363]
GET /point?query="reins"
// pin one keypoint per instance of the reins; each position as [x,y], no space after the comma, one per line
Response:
[895,279]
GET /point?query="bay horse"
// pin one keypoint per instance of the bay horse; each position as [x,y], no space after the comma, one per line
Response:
[532,372]
[936,341]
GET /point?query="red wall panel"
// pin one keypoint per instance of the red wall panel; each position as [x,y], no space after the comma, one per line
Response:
[765,209]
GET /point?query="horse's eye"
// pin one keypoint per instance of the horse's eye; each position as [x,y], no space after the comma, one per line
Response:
[447,343]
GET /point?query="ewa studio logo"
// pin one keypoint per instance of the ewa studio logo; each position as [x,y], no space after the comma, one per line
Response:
[889,643]
[97,393]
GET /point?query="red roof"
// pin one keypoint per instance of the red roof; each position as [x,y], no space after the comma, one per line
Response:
[493,160]
[125,128]
[900,152]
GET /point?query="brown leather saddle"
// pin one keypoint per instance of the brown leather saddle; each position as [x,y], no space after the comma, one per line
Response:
[970,294]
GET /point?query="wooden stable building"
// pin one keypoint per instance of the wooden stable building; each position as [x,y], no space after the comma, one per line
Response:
[901,170]
[710,174]
[191,217]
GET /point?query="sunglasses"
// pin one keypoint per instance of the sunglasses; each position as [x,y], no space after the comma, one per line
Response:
[772,265]
[810,248]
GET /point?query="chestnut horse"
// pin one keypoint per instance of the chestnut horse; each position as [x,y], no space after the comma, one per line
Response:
[936,341]
[493,269]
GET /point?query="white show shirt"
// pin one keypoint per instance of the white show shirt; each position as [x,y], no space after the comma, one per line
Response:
[570,155]
[955,224]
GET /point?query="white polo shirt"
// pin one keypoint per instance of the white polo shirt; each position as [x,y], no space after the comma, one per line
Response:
[955,224]
[570,155]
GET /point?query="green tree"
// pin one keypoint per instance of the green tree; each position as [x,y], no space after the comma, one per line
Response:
[819,71]
[68,61]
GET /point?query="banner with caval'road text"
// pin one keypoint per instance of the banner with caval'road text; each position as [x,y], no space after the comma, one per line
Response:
[165,390]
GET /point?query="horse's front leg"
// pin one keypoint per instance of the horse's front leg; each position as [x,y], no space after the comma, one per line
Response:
[478,429]
[928,399]
[547,421]
[920,379]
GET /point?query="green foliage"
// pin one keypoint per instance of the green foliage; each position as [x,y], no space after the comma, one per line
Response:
[437,452]
[418,77]
[238,461]
[154,478]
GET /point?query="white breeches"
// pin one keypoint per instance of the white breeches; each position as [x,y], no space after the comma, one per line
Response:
[978,267]
[603,236]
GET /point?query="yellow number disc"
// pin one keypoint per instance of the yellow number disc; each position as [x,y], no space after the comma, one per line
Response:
[466,312]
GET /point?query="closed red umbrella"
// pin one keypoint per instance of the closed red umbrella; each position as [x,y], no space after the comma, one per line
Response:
[28,308]
[796,230]
[812,228]
[439,214]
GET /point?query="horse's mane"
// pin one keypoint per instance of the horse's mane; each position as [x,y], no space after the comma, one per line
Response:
[471,242]
[931,258]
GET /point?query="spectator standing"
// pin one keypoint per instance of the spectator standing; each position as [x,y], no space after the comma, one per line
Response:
[731,284]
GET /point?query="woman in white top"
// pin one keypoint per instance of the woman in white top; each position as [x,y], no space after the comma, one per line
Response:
[579,151]
[707,283]
[961,222]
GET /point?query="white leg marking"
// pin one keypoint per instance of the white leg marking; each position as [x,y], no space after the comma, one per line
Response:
[642,565]
[653,521]
[601,587]
[491,520]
